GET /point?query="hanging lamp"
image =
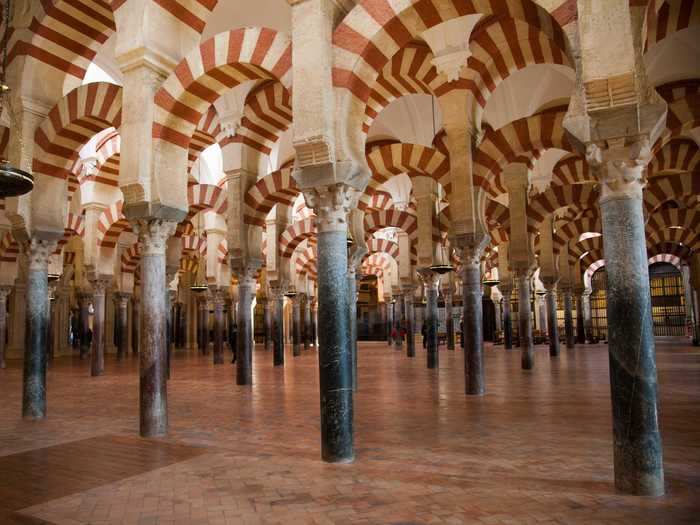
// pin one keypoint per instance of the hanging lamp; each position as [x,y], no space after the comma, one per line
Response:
[13,181]
[443,266]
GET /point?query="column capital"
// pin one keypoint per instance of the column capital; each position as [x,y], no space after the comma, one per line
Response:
[99,285]
[153,234]
[38,252]
[620,167]
[123,298]
[5,290]
[331,204]
[549,282]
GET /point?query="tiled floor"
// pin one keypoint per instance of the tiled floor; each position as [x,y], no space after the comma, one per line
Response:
[535,449]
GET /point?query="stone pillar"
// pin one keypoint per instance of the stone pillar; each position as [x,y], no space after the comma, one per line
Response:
[398,321]
[450,325]
[97,358]
[203,326]
[352,319]
[278,327]
[84,300]
[410,330]
[552,327]
[153,390]
[218,298]
[308,331]
[244,340]
[296,325]
[269,322]
[123,327]
[431,281]
[390,321]
[580,328]
[4,292]
[507,291]
[34,374]
[524,315]
[135,326]
[569,318]
[474,377]
[637,441]
[332,204]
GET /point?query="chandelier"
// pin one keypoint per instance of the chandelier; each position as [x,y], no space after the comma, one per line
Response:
[13,180]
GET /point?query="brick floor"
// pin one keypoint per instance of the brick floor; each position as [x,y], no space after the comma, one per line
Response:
[536,449]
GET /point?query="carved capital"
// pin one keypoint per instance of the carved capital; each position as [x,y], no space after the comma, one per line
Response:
[620,168]
[38,252]
[247,273]
[331,205]
[153,235]
[99,286]
[123,299]
[4,292]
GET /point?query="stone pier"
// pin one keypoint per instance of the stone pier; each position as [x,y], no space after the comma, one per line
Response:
[218,298]
[4,292]
[97,357]
[123,325]
[474,376]
[296,325]
[524,319]
[552,328]
[246,293]
[507,291]
[569,319]
[278,328]
[409,290]
[431,282]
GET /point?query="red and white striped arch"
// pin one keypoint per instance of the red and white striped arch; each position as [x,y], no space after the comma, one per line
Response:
[295,234]
[578,196]
[669,17]
[111,225]
[202,197]
[571,169]
[383,245]
[569,231]
[677,155]
[66,34]
[82,113]
[590,244]
[9,248]
[688,238]
[378,220]
[413,159]
[664,218]
[277,187]
[266,115]
[194,244]
[219,64]
[205,135]
[375,30]
[379,200]
[669,258]
[660,190]
[131,257]
[519,141]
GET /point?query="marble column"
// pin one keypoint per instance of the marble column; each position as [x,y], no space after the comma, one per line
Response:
[34,373]
[390,322]
[4,292]
[553,329]
[569,318]
[398,321]
[474,376]
[431,282]
[410,329]
[153,389]
[296,325]
[450,325]
[507,317]
[352,318]
[123,326]
[332,205]
[244,340]
[524,319]
[278,328]
[97,358]
[135,324]
[203,325]
[218,298]
[84,300]
[308,335]
[580,328]
[696,315]
[637,449]
[269,322]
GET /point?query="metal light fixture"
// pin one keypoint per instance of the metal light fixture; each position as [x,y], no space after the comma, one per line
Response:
[13,181]
[491,282]
[443,266]
[290,293]
[200,282]
[350,240]
[53,277]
